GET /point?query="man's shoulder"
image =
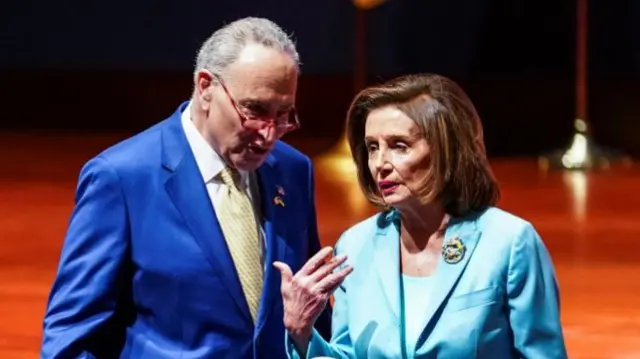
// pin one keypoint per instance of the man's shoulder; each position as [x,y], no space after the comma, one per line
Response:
[286,153]
[137,151]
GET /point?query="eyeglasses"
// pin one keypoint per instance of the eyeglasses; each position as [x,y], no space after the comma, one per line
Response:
[282,124]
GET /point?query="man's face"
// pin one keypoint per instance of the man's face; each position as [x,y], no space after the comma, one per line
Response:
[238,104]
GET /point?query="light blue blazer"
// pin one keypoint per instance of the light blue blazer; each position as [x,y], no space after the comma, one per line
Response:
[500,301]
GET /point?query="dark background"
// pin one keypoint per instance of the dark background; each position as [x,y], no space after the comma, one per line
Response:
[118,66]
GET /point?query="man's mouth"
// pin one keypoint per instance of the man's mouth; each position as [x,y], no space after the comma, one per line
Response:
[255,149]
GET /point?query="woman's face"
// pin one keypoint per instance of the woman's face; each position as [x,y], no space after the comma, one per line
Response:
[398,155]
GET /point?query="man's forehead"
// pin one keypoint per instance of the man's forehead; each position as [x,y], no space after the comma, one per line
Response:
[253,53]
[258,62]
[263,81]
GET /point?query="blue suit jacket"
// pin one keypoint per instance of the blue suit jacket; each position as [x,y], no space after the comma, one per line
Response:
[145,271]
[500,301]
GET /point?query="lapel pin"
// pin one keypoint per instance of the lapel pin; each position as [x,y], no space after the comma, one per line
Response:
[453,250]
[280,190]
[278,201]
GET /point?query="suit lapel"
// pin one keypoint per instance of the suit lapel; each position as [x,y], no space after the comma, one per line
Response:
[447,274]
[387,259]
[187,190]
[274,214]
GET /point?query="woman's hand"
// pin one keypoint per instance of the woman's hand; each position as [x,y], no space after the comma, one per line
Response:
[305,294]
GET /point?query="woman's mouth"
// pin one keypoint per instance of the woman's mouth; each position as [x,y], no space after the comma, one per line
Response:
[387,187]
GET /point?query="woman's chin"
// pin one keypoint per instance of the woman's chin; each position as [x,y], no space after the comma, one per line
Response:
[395,199]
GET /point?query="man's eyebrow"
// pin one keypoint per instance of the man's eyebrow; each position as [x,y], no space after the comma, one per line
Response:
[251,101]
[263,104]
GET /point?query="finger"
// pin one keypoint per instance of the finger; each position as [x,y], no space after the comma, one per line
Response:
[330,282]
[333,285]
[285,271]
[316,261]
[328,267]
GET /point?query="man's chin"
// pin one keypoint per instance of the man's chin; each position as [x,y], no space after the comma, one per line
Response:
[248,161]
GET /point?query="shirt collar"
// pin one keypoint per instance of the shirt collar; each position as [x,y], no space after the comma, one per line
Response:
[209,161]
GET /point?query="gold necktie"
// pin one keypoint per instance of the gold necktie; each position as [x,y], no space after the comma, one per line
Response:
[240,229]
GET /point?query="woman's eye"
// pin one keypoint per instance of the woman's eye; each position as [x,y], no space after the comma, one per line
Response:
[401,146]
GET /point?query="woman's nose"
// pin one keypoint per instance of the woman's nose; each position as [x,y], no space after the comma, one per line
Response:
[381,159]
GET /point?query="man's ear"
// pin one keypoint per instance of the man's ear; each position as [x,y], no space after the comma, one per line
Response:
[204,82]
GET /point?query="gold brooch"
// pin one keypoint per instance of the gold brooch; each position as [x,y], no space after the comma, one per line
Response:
[453,250]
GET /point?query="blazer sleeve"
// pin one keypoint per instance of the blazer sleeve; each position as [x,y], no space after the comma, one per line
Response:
[339,346]
[533,299]
[78,321]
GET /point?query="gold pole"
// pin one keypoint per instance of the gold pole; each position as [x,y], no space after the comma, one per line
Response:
[582,153]
[341,149]
[581,60]
[338,159]
[339,156]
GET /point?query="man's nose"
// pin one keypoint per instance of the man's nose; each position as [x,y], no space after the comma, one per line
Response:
[268,132]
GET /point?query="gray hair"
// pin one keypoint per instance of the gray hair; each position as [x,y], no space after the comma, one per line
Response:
[223,47]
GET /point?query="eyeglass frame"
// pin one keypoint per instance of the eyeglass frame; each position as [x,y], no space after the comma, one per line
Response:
[264,122]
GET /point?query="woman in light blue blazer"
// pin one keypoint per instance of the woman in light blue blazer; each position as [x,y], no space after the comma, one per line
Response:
[440,272]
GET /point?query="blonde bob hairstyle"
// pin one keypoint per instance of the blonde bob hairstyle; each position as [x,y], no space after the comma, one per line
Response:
[459,175]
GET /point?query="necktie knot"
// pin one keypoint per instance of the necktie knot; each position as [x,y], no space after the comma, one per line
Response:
[230,176]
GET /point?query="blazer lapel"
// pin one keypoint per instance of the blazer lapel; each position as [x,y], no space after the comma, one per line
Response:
[447,274]
[387,259]
[275,229]
[188,192]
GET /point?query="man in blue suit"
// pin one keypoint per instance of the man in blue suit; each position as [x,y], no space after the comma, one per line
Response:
[169,248]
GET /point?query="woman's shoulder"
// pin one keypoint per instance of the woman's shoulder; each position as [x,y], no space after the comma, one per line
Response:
[360,233]
[495,217]
[499,223]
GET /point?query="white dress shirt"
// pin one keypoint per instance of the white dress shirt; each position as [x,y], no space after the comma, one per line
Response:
[211,164]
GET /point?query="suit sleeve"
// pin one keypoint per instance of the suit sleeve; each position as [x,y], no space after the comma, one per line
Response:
[533,299]
[323,324]
[80,313]
[339,346]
